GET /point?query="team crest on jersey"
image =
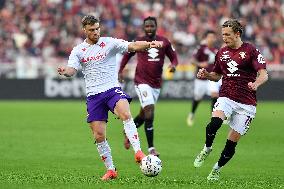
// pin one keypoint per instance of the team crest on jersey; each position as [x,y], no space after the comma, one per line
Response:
[144,93]
[84,49]
[102,44]
[243,55]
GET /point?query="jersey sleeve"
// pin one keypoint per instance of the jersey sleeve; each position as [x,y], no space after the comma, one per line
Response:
[121,45]
[258,61]
[73,60]
[217,69]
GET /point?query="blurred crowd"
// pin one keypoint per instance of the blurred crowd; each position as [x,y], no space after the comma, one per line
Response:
[50,28]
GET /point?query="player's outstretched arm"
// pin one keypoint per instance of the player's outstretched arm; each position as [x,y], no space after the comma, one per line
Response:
[261,79]
[143,45]
[66,71]
[203,74]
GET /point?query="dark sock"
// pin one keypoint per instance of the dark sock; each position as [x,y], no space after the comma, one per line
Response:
[194,106]
[213,101]
[138,121]
[149,130]
[212,129]
[227,153]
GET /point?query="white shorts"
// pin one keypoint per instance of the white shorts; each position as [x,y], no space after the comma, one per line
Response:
[146,94]
[239,115]
[214,86]
[200,89]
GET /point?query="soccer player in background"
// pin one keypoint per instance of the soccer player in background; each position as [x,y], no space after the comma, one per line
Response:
[204,57]
[97,55]
[243,69]
[148,78]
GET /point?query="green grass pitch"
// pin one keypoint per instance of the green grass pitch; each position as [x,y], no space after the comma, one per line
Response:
[47,144]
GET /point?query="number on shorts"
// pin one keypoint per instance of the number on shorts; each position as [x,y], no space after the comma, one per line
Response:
[216,104]
[248,121]
[120,92]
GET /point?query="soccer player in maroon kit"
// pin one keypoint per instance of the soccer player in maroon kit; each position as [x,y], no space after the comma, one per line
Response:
[243,69]
[204,57]
[148,78]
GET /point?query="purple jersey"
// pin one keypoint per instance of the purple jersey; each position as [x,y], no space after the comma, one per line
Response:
[150,63]
[239,67]
[205,54]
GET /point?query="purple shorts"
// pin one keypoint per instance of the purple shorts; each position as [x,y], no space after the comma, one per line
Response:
[98,105]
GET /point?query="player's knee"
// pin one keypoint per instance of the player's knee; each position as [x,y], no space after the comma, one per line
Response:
[99,136]
[214,125]
[149,113]
[149,118]
[214,95]
[125,115]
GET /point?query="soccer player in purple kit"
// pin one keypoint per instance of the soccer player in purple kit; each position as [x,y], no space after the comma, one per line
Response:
[243,69]
[148,78]
[97,58]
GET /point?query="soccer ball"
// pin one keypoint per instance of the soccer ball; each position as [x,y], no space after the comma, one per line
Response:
[151,165]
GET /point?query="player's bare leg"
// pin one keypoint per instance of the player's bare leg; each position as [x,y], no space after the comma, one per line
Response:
[122,110]
[99,132]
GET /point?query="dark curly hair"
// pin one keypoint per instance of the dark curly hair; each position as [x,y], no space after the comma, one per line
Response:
[150,18]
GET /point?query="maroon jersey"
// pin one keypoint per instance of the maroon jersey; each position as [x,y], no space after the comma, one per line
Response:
[205,54]
[150,63]
[239,67]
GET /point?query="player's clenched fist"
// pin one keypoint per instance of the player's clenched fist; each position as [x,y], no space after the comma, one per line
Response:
[252,86]
[156,44]
[61,70]
[202,73]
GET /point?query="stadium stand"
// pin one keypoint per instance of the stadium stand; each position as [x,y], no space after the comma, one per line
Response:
[36,36]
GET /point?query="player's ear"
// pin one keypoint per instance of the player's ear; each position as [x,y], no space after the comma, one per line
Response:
[239,33]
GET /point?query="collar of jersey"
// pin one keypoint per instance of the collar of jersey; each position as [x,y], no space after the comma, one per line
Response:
[87,44]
